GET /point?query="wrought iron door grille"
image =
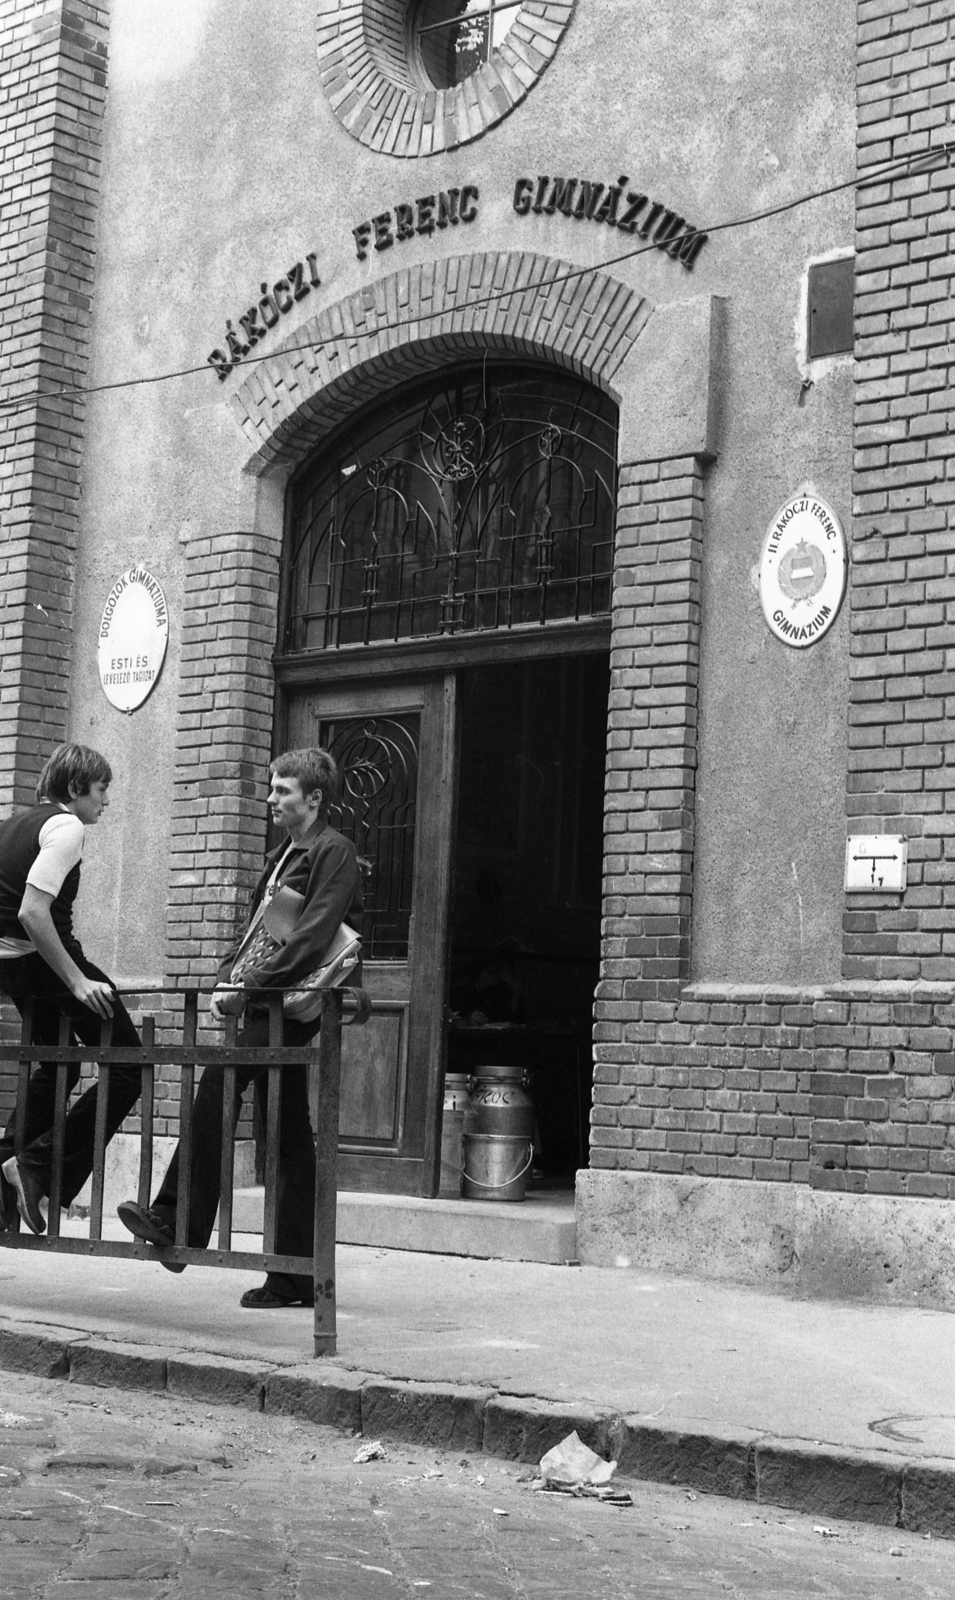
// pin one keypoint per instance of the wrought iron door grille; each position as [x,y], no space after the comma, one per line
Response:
[486,502]
[378,763]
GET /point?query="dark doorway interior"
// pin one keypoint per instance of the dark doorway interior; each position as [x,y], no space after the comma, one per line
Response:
[525,929]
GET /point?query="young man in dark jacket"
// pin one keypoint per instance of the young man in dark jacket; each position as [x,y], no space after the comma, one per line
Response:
[321,865]
[42,961]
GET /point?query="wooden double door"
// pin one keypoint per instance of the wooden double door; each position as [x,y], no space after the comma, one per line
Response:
[474,797]
[395,746]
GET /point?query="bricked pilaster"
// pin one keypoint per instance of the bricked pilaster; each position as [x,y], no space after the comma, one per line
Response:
[53,60]
[650,811]
[223,745]
[902,712]
[52,92]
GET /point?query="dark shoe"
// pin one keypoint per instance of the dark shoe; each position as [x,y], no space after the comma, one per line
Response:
[29,1192]
[149,1225]
[266,1299]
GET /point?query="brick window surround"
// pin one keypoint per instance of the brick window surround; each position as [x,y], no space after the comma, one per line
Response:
[363,55]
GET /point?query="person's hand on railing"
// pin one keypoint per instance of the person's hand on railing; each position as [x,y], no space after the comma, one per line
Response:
[94,993]
[226,1002]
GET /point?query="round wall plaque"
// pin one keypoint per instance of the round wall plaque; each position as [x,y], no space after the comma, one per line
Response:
[802,570]
[132,638]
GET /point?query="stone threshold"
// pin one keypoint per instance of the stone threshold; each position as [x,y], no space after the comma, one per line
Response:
[542,1227]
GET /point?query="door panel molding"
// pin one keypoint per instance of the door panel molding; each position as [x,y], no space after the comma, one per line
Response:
[374,1080]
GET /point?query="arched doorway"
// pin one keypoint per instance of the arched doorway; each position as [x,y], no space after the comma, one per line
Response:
[445,629]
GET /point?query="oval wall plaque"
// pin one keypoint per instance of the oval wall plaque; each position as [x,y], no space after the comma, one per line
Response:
[132,638]
[802,570]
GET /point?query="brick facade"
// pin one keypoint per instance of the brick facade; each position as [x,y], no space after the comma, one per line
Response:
[847,1087]
[53,77]
[53,60]
[844,1087]
[901,728]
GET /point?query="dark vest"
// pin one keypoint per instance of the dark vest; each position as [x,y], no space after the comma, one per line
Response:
[19,848]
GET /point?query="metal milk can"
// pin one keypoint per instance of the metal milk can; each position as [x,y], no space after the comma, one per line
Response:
[501,1101]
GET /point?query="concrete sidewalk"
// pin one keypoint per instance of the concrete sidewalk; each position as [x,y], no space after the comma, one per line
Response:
[837,1409]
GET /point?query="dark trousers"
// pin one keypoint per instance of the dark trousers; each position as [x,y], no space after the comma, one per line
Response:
[295,1210]
[28,977]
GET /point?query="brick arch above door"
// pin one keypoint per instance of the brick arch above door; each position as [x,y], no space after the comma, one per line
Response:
[413,321]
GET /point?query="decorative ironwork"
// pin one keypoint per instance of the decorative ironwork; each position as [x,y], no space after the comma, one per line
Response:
[453,38]
[485,501]
[549,441]
[457,450]
[378,762]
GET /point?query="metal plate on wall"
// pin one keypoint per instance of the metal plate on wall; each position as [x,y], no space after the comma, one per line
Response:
[802,570]
[876,863]
[133,635]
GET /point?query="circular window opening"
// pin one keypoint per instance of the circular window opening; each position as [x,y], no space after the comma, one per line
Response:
[415,77]
[453,39]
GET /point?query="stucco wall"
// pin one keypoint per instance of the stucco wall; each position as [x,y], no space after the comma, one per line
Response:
[224,164]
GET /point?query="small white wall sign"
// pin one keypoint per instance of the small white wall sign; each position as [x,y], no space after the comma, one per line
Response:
[802,570]
[132,638]
[876,863]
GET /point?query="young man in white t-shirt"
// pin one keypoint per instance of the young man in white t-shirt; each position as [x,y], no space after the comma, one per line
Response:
[42,962]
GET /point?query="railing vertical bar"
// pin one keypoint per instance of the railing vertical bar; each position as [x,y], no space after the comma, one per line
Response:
[99,1137]
[326,1162]
[61,1095]
[272,1129]
[190,1023]
[24,1064]
[146,1113]
[227,1167]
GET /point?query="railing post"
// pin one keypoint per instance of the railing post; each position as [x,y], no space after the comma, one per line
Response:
[146,1114]
[326,1174]
[61,1095]
[227,1164]
[190,1023]
[273,1122]
[104,1078]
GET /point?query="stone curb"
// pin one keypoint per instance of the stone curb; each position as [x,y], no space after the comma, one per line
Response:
[820,1480]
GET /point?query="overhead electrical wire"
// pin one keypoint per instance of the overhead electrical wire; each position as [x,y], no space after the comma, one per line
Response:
[904,164]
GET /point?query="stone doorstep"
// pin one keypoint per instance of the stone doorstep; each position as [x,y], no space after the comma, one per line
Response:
[542,1227]
[888,1490]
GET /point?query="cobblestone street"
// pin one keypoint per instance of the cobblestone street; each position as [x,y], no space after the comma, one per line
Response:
[139,1497]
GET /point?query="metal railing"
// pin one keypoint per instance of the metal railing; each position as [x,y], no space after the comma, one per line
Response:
[322,1054]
